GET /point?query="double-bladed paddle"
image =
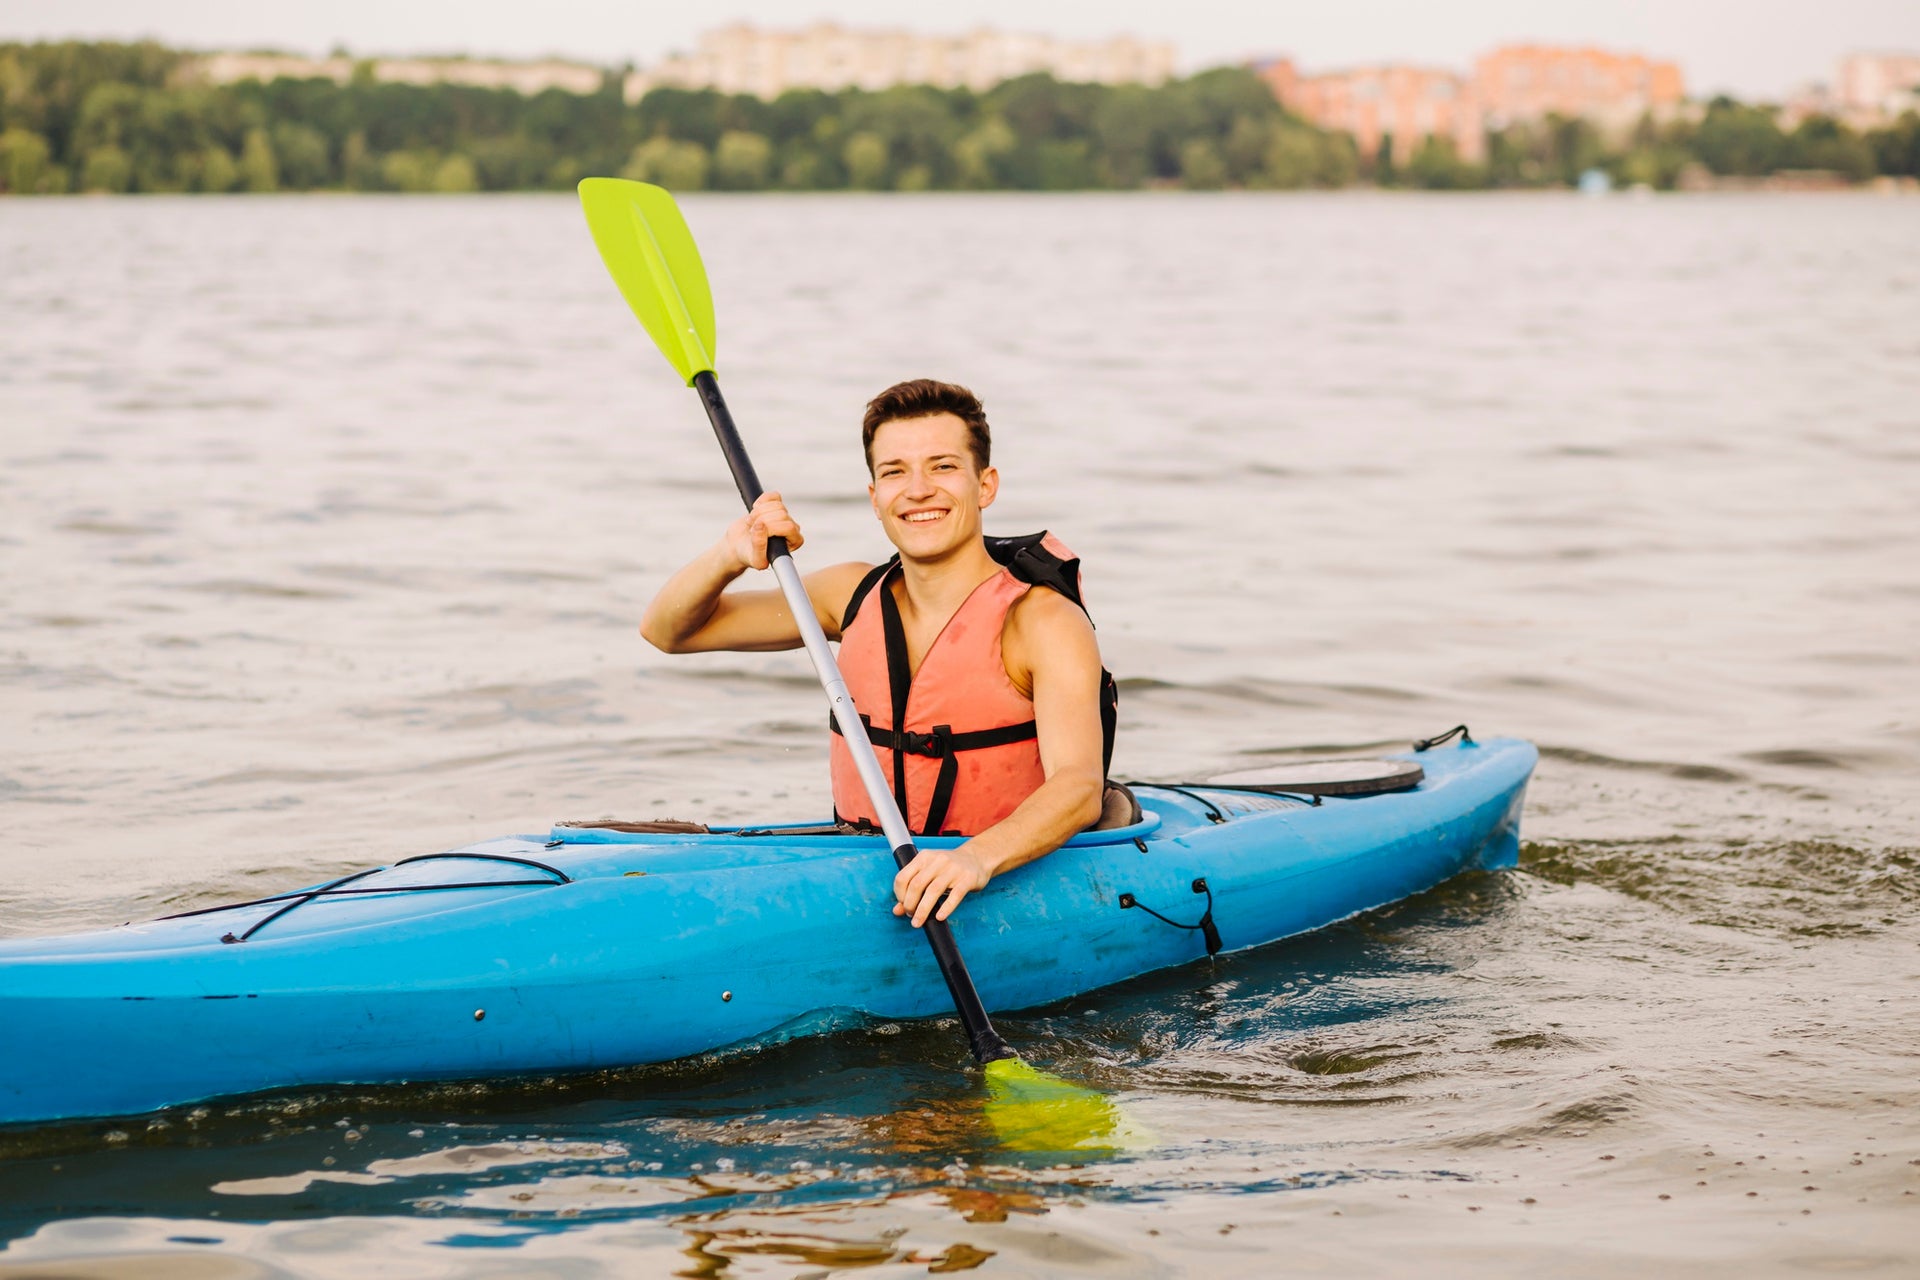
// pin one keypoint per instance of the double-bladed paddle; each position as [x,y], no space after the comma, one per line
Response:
[651,255]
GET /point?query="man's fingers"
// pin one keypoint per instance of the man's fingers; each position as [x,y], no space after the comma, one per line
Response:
[915,887]
[927,901]
[954,894]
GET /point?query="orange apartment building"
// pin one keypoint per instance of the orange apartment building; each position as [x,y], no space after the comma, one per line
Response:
[1522,82]
[1371,103]
[1511,85]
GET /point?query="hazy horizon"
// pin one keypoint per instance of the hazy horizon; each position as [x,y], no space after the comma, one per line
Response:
[1721,45]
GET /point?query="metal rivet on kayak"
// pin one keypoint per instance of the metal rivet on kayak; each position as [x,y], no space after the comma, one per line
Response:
[479,1015]
[725,996]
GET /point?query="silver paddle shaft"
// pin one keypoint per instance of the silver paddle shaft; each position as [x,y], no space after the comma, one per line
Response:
[987,1043]
[892,823]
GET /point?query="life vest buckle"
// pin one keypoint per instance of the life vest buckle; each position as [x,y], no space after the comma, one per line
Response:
[935,744]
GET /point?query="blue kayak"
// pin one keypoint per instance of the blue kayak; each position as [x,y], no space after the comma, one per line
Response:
[591,947]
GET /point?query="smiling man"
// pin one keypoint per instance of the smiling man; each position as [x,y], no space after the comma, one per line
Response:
[972,659]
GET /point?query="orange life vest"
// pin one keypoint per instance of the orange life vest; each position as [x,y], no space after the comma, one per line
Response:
[956,738]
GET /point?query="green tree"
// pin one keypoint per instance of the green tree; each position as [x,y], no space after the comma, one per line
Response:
[979,155]
[218,172]
[1201,166]
[693,115]
[1124,128]
[509,162]
[1385,171]
[360,168]
[1245,149]
[1339,161]
[454,174]
[107,169]
[742,161]
[408,171]
[804,169]
[26,162]
[1739,140]
[673,164]
[301,158]
[1821,142]
[1292,159]
[1652,164]
[1896,148]
[259,172]
[919,125]
[1437,166]
[865,156]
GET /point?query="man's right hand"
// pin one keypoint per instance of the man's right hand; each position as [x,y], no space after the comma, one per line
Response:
[746,538]
[694,612]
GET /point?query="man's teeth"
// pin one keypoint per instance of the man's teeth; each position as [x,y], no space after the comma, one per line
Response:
[921,517]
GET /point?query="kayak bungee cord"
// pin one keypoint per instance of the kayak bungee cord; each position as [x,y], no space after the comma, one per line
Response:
[1192,790]
[334,888]
[1458,731]
[1209,933]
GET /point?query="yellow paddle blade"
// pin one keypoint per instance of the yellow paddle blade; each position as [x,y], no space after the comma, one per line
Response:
[651,255]
[1030,1110]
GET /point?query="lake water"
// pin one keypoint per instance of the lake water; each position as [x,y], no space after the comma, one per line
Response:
[325,524]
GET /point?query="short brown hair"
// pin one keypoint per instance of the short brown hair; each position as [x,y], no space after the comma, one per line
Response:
[923,398]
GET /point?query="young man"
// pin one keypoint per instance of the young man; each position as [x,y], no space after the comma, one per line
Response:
[1002,726]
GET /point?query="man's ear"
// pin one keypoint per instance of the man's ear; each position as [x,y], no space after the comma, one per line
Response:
[989,486]
[873,502]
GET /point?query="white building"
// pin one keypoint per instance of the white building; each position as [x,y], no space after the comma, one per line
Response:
[745,59]
[1869,91]
[522,77]
[1879,84]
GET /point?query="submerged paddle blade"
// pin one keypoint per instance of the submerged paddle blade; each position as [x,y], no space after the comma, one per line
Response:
[1033,1111]
[651,255]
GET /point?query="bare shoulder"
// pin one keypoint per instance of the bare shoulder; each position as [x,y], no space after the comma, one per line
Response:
[1044,609]
[1044,627]
[831,588]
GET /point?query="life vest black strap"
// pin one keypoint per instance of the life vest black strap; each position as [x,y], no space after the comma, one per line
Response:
[899,684]
[944,745]
[943,740]
[860,593]
[1032,563]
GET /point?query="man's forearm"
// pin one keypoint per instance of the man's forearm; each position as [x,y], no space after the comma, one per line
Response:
[687,600]
[1060,808]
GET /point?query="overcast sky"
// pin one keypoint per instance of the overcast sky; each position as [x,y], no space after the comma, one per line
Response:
[1753,48]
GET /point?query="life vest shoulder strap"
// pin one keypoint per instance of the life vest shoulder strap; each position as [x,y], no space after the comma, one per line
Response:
[862,591]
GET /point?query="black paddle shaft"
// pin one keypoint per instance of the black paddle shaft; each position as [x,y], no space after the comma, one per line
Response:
[986,1042]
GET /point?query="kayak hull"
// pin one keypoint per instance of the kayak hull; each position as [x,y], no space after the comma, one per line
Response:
[607,949]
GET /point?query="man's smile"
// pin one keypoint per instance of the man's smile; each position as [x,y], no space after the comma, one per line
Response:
[923,515]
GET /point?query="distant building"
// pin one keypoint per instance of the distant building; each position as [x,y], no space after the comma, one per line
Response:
[745,59]
[522,77]
[1869,91]
[1878,86]
[1402,103]
[1512,85]
[1525,82]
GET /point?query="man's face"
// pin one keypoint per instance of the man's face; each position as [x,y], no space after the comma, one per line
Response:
[925,488]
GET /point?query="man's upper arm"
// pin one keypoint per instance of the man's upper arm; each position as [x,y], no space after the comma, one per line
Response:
[1058,648]
[759,622]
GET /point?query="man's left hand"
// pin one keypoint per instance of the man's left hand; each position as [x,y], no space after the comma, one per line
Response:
[934,874]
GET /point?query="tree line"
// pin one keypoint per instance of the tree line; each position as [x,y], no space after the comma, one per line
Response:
[128,118]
